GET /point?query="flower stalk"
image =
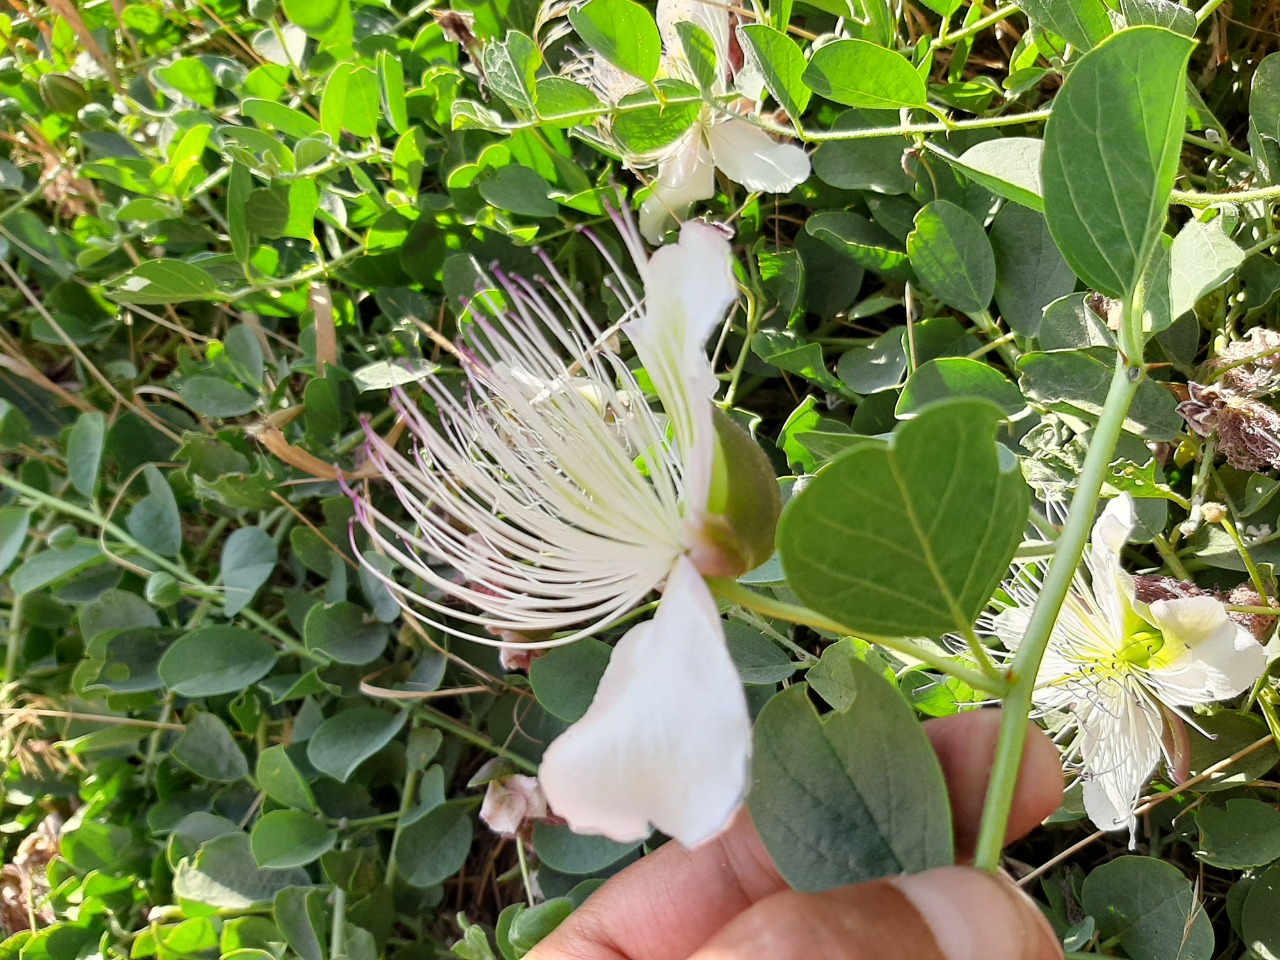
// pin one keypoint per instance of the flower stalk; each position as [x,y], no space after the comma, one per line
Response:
[1062,570]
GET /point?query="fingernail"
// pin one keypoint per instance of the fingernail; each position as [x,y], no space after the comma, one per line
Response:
[975,915]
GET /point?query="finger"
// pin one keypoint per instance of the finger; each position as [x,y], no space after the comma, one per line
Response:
[666,905]
[952,913]
[966,748]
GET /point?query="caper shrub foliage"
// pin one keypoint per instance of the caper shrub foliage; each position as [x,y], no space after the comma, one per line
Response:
[226,228]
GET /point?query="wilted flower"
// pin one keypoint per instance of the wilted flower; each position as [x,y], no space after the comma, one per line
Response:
[556,500]
[1248,430]
[512,803]
[1122,670]
[716,141]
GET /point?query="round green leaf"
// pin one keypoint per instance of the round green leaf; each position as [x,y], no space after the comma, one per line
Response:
[290,838]
[863,74]
[562,849]
[347,739]
[1243,834]
[952,257]
[208,750]
[863,787]
[565,678]
[958,377]
[435,848]
[279,779]
[1150,907]
[344,632]
[215,660]
[910,536]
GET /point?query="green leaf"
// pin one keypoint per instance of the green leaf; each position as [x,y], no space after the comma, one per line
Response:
[435,848]
[1201,259]
[562,849]
[862,74]
[1239,836]
[351,102]
[50,566]
[1150,907]
[323,19]
[565,679]
[154,521]
[1260,915]
[910,536]
[1111,154]
[1008,166]
[1083,23]
[510,67]
[875,365]
[391,89]
[345,633]
[1159,13]
[190,77]
[1030,271]
[758,659]
[622,32]
[952,257]
[248,560]
[1231,732]
[349,738]
[700,51]
[276,116]
[209,751]
[84,452]
[858,238]
[562,102]
[781,63]
[239,185]
[14,523]
[958,377]
[279,779]
[211,661]
[518,190]
[299,913]
[861,786]
[224,874]
[216,397]
[290,838]
[788,351]
[643,128]
[1075,381]
[163,282]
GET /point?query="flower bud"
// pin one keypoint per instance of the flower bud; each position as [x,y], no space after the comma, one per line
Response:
[63,537]
[162,590]
[63,93]
[736,531]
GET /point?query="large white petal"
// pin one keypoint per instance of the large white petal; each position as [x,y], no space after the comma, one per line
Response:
[688,286]
[1112,585]
[686,175]
[667,739]
[1216,657]
[1120,747]
[749,156]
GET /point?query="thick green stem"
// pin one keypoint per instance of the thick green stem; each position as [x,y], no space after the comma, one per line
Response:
[735,592]
[1066,558]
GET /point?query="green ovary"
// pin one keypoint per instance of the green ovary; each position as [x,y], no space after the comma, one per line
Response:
[1141,648]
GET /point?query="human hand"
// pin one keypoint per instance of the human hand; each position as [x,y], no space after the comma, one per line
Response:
[724,900]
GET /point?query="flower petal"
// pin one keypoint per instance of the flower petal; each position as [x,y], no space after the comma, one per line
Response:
[1216,657]
[688,286]
[686,175]
[667,739]
[1113,588]
[749,156]
[1119,747]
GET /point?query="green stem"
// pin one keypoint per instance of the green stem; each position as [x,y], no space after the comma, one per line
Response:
[992,683]
[1000,13]
[1204,12]
[1191,198]
[462,732]
[1062,570]
[1223,148]
[1255,575]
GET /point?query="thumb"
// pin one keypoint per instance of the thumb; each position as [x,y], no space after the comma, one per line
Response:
[951,913]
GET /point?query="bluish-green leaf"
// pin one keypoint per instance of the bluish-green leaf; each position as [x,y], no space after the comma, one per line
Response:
[84,452]
[1150,907]
[290,838]
[910,536]
[862,74]
[211,661]
[621,31]
[248,560]
[154,521]
[951,256]
[861,786]
[1111,154]
[349,738]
